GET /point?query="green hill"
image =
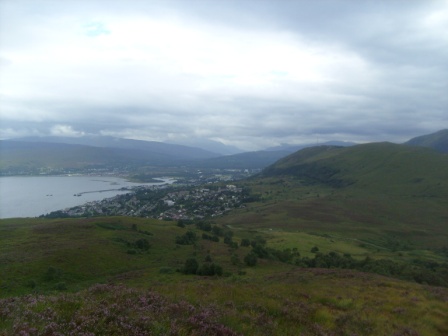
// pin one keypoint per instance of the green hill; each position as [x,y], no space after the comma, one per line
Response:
[437,141]
[376,193]
[379,167]
[248,160]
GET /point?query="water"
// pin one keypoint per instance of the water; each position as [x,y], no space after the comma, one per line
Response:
[32,196]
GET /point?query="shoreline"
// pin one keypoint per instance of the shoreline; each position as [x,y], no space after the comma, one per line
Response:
[43,193]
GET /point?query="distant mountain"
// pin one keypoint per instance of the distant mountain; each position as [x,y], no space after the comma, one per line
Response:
[24,156]
[211,146]
[86,152]
[437,141]
[248,160]
[58,154]
[178,152]
[295,148]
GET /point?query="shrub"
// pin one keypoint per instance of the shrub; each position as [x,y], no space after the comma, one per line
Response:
[245,242]
[31,284]
[235,259]
[251,259]
[52,273]
[204,226]
[166,270]
[189,238]
[60,286]
[191,266]
[211,238]
[209,269]
[142,244]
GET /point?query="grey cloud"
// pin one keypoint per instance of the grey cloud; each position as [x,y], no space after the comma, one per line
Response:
[383,74]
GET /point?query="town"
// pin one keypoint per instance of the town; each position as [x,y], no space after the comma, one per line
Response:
[164,202]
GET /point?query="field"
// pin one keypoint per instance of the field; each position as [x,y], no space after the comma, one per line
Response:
[59,275]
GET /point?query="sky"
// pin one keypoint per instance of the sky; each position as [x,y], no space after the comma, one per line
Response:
[247,73]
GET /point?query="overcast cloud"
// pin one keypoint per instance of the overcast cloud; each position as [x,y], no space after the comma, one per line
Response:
[252,74]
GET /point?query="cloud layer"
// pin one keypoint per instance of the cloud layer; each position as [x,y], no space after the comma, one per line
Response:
[252,74]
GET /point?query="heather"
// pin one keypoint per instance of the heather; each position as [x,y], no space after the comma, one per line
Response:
[133,276]
[107,310]
[284,303]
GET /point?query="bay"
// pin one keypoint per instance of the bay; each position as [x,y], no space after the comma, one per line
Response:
[32,196]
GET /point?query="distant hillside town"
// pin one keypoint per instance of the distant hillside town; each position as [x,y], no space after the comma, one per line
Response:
[169,203]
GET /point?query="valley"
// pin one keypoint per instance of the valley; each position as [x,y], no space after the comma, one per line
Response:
[326,241]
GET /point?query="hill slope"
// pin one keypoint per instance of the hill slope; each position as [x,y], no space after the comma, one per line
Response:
[380,194]
[384,167]
[91,276]
[437,141]
[248,160]
[295,148]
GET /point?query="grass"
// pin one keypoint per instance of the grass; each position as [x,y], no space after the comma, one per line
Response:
[51,268]
[281,303]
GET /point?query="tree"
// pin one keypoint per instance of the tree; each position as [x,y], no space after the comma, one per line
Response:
[191,266]
[188,238]
[251,259]
[142,244]
[245,242]
[235,259]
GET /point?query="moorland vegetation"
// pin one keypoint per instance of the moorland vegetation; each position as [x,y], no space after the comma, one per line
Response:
[332,241]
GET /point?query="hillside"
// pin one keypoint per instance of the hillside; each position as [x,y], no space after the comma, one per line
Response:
[437,141]
[295,148]
[380,194]
[119,276]
[384,167]
[248,160]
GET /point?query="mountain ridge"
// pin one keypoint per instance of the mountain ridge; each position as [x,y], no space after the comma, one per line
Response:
[181,151]
[364,164]
[437,141]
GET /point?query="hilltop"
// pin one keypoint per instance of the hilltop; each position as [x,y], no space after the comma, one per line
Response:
[437,141]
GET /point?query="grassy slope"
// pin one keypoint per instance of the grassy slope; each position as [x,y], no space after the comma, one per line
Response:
[271,298]
[388,192]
